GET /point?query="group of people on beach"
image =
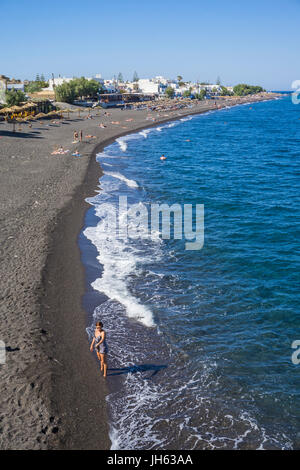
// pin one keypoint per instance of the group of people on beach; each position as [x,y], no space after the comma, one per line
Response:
[100,346]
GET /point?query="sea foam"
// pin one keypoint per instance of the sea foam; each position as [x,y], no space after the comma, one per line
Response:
[130,183]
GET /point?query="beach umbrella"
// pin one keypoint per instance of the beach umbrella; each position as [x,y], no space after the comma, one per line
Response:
[56,113]
[29,105]
[51,113]
[9,110]
[68,110]
[40,116]
[16,109]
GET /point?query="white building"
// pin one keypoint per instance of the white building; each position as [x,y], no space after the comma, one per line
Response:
[210,88]
[53,82]
[152,86]
[2,91]
[98,78]
[15,86]
[7,84]
[160,79]
[110,86]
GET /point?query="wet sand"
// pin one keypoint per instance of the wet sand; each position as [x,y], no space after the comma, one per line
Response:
[52,394]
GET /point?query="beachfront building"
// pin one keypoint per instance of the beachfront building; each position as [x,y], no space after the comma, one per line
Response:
[211,90]
[152,86]
[110,86]
[3,84]
[161,80]
[97,78]
[53,82]
[2,92]
[7,84]
[15,86]
[130,87]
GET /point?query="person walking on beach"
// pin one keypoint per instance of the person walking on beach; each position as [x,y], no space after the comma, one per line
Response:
[100,346]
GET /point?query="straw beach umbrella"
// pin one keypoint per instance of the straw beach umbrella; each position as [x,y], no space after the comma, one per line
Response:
[30,106]
[51,113]
[9,110]
[40,115]
[16,109]
[68,110]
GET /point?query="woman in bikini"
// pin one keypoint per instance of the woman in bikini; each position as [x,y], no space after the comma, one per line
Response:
[100,346]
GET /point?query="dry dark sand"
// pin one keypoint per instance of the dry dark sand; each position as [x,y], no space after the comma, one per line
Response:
[52,394]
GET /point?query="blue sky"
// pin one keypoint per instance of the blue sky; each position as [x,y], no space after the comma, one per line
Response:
[254,42]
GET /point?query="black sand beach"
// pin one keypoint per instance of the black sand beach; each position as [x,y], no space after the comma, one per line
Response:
[52,394]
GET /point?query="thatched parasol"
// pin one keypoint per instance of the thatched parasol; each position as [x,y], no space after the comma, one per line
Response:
[51,113]
[16,109]
[29,105]
[8,110]
[57,113]
[67,110]
[40,116]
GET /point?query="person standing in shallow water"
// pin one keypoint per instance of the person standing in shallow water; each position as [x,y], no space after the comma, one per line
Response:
[101,348]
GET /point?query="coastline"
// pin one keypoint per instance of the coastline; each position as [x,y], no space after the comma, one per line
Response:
[55,338]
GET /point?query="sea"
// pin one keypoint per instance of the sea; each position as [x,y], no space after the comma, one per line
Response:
[201,341]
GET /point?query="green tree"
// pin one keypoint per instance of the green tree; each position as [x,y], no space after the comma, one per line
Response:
[225,91]
[77,88]
[120,78]
[37,78]
[135,77]
[170,92]
[65,93]
[33,87]
[187,93]
[201,95]
[242,89]
[180,82]
[14,97]
[218,81]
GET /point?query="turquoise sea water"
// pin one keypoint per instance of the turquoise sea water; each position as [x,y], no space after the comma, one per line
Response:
[200,341]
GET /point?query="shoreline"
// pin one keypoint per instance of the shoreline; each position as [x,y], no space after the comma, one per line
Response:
[68,394]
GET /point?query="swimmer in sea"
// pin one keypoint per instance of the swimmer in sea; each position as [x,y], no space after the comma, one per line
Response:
[163,157]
